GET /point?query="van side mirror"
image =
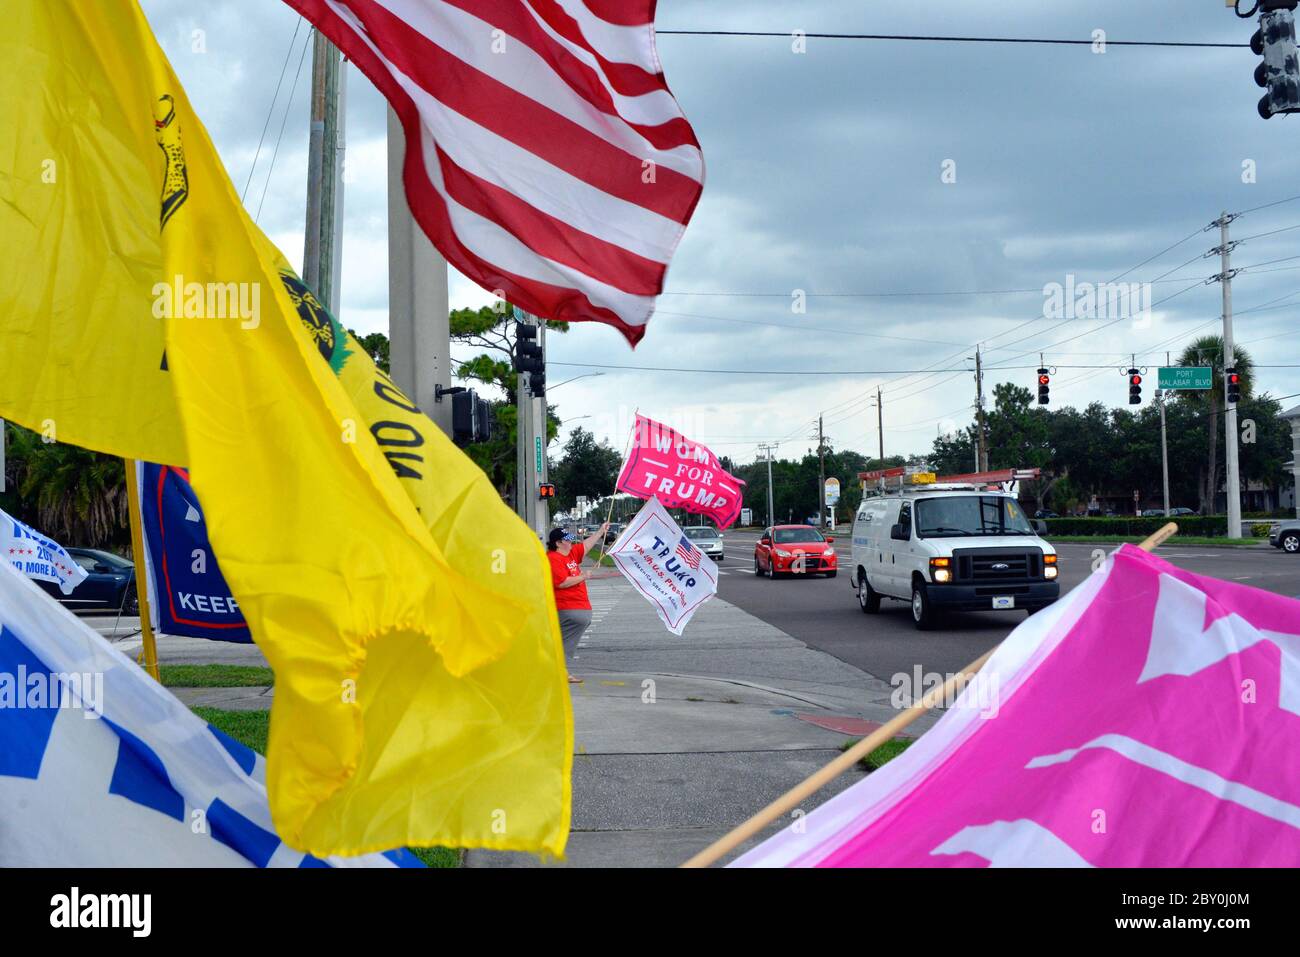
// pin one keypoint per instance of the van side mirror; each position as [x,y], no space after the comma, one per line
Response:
[1040,527]
[900,533]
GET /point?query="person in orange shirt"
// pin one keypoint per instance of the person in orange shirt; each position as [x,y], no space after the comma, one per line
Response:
[570,581]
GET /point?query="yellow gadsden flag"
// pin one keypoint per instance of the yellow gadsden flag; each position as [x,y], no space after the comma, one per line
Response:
[420,687]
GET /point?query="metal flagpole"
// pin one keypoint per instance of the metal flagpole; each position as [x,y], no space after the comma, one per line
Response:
[141,575]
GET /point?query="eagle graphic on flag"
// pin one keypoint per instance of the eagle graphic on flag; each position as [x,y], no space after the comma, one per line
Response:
[1151,718]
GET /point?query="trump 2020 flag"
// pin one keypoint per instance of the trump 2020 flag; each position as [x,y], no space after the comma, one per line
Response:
[546,157]
[1151,718]
[682,474]
[100,766]
[37,556]
[665,566]
[187,593]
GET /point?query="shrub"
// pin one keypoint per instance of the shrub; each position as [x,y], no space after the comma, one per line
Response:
[1203,525]
[1260,529]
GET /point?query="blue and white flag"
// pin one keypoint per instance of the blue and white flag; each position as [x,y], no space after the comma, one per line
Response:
[100,766]
[37,556]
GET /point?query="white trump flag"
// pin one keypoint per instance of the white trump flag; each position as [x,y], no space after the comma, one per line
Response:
[665,566]
[37,556]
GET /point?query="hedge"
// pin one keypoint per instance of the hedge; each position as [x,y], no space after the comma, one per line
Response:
[1203,525]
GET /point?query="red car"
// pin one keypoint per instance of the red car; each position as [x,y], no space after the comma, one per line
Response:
[794,550]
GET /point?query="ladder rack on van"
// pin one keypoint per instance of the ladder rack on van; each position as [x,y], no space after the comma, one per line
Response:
[904,479]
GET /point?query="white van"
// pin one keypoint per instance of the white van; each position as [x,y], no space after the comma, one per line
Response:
[950,547]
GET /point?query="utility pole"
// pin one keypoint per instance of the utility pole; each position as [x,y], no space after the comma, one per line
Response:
[1232,481]
[323,179]
[981,446]
[530,430]
[1164,446]
[821,474]
[771,511]
[880,426]
[419,331]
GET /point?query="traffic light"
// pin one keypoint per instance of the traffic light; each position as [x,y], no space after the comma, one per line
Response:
[1279,71]
[529,357]
[1234,386]
[1134,387]
[546,490]
[1044,387]
[471,417]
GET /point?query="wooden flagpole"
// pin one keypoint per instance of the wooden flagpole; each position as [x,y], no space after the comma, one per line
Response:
[141,575]
[796,795]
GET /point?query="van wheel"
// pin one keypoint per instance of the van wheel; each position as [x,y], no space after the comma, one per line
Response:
[868,597]
[923,613]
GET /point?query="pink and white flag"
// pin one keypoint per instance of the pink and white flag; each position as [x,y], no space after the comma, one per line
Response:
[1151,718]
[665,464]
[546,157]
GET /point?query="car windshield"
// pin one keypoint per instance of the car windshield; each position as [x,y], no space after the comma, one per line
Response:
[794,536]
[699,532]
[970,515]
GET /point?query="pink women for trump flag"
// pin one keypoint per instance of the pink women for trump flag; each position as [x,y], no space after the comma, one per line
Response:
[665,464]
[546,158]
[1151,718]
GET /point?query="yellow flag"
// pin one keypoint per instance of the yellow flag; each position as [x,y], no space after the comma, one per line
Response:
[420,694]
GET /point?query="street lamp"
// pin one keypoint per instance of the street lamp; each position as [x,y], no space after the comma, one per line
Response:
[585,375]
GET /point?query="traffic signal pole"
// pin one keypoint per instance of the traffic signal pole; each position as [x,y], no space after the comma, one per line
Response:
[1232,481]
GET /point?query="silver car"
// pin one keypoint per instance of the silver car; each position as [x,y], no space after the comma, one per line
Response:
[1286,536]
[707,539]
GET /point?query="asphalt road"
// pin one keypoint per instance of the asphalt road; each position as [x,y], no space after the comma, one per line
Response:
[824,612]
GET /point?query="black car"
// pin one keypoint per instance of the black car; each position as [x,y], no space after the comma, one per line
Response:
[613,532]
[109,582]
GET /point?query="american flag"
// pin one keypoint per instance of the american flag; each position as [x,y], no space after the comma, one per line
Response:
[688,552]
[546,157]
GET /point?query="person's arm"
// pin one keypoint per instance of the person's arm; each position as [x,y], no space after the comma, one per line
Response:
[573,580]
[595,538]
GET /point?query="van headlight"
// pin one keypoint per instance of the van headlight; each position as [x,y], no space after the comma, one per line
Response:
[1049,567]
[941,570]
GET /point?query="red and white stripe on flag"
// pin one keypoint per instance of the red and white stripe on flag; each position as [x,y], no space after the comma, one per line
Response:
[546,158]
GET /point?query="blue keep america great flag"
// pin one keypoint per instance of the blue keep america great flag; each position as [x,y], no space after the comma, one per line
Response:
[101,766]
[187,593]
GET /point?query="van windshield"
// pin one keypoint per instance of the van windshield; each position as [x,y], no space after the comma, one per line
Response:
[970,515]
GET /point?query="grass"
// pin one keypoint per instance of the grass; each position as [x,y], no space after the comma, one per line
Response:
[1176,540]
[251,727]
[216,676]
[883,754]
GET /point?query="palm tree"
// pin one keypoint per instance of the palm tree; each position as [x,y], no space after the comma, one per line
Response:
[75,496]
[1208,351]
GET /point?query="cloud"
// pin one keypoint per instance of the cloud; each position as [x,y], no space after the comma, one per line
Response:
[824,174]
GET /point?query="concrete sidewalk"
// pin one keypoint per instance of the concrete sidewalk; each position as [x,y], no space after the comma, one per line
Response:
[677,740]
[680,739]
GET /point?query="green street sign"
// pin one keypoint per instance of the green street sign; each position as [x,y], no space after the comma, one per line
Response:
[1186,377]
[539,456]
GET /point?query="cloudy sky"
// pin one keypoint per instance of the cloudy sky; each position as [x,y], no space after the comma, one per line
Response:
[921,194]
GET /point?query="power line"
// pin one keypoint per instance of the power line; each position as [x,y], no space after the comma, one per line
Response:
[287,107]
[921,38]
[271,110]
